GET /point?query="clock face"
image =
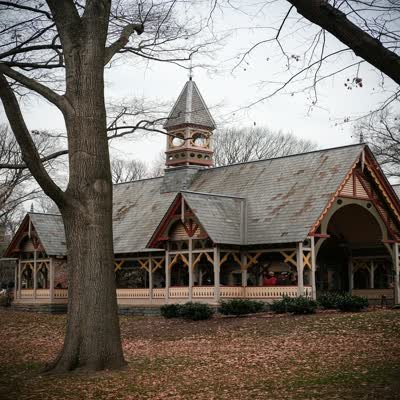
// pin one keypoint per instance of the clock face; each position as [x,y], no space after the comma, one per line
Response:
[177,141]
[200,141]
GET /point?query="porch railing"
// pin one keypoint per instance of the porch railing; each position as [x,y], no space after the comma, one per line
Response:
[203,291]
[133,293]
[43,293]
[178,292]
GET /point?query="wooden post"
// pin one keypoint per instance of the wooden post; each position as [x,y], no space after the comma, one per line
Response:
[151,279]
[371,275]
[217,269]
[16,280]
[351,274]
[300,268]
[190,267]
[397,272]
[34,273]
[167,275]
[313,269]
[243,260]
[51,267]
[19,280]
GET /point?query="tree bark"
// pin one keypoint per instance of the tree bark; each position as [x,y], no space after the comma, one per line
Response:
[321,13]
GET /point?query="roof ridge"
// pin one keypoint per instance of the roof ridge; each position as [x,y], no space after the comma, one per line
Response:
[138,180]
[287,156]
[213,194]
[43,213]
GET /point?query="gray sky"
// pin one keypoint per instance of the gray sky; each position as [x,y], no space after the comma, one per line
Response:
[228,92]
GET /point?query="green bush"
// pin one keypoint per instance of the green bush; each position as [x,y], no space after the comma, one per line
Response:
[195,311]
[240,307]
[170,310]
[295,305]
[346,302]
[329,300]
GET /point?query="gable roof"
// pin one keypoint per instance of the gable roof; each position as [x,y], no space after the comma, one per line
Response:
[190,108]
[284,197]
[222,217]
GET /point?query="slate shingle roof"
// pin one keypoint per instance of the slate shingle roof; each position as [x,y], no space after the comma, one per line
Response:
[222,217]
[50,229]
[284,197]
[190,108]
[396,189]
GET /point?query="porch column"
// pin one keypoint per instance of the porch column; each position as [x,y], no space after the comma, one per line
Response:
[34,273]
[243,261]
[217,269]
[19,280]
[313,269]
[371,275]
[190,269]
[300,268]
[397,273]
[351,274]
[167,275]
[16,280]
[51,278]
[151,279]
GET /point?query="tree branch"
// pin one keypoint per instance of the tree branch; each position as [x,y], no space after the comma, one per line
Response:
[29,152]
[122,41]
[364,45]
[46,92]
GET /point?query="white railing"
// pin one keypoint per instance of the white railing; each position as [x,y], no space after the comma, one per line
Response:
[26,293]
[43,293]
[133,293]
[374,294]
[159,293]
[203,291]
[271,292]
[61,293]
[178,292]
[231,291]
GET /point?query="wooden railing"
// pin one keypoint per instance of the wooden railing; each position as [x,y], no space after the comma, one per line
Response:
[27,293]
[203,291]
[43,293]
[231,291]
[61,293]
[159,293]
[133,293]
[178,292]
[374,294]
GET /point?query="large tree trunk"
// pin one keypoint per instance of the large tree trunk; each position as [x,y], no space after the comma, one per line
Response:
[92,338]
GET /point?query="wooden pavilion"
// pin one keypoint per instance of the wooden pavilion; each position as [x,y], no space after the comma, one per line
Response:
[323,220]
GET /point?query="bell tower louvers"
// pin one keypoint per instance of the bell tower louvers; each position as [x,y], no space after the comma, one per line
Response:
[191,126]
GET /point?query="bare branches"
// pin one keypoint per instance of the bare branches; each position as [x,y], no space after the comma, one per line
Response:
[29,152]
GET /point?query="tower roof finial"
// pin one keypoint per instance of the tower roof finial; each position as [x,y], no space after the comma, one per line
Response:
[191,68]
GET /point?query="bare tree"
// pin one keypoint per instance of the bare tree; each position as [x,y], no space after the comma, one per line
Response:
[59,49]
[333,38]
[237,145]
[126,171]
[382,132]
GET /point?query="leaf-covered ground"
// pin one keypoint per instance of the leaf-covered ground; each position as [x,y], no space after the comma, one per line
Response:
[323,356]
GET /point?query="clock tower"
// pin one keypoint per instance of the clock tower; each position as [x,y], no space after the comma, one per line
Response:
[189,126]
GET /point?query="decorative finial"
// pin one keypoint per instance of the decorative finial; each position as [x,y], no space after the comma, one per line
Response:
[361,136]
[32,209]
[191,68]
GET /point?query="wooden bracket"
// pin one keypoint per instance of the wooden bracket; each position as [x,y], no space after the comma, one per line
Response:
[289,257]
[118,265]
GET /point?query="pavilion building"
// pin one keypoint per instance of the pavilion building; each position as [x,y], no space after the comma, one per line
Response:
[322,220]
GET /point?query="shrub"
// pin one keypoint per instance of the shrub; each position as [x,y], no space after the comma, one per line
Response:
[329,300]
[295,305]
[170,310]
[195,311]
[346,302]
[240,307]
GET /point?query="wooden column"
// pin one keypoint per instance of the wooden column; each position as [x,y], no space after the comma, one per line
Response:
[16,280]
[51,278]
[190,268]
[217,269]
[351,274]
[19,279]
[34,273]
[151,279]
[397,273]
[300,268]
[313,269]
[371,275]
[167,274]
[243,260]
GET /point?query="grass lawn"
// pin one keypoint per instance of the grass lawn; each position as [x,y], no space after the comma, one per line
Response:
[324,356]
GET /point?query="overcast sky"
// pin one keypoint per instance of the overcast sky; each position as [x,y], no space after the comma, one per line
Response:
[229,91]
